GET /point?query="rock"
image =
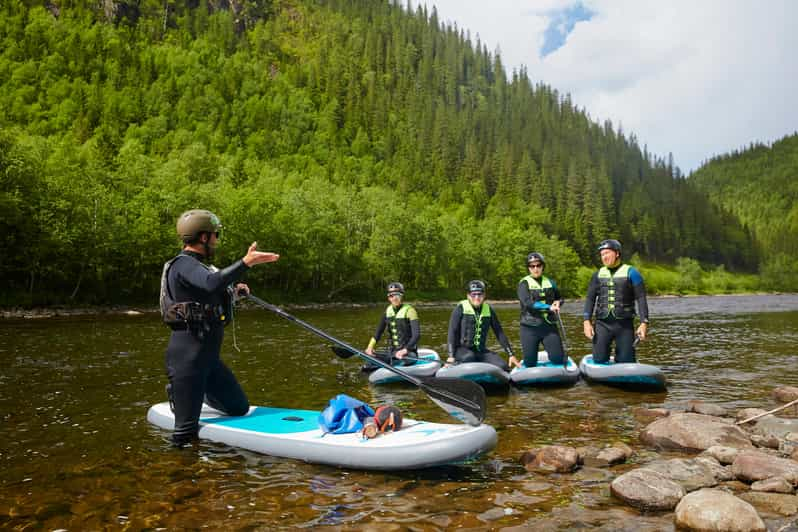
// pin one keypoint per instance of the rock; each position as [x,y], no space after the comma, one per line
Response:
[647,490]
[554,458]
[785,394]
[724,455]
[691,473]
[789,444]
[768,442]
[775,427]
[700,407]
[647,415]
[774,503]
[713,509]
[773,485]
[745,413]
[616,454]
[750,466]
[693,432]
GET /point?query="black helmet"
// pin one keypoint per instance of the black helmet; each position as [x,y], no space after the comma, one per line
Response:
[610,243]
[535,256]
[192,223]
[396,287]
[476,286]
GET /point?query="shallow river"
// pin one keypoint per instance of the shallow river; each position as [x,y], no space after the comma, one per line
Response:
[77,452]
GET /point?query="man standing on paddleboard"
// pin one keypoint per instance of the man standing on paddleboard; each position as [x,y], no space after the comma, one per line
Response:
[612,292]
[196,303]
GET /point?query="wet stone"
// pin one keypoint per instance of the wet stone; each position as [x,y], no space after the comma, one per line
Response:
[709,409]
[714,509]
[647,490]
[551,458]
[693,432]
[692,473]
[724,455]
[785,394]
[773,485]
[772,503]
[750,466]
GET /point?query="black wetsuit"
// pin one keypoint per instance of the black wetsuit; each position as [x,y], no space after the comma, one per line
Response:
[466,345]
[538,325]
[193,363]
[404,332]
[615,312]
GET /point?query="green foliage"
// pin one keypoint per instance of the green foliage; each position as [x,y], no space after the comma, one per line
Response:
[361,141]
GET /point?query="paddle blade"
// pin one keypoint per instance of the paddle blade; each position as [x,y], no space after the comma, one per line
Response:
[461,399]
[341,352]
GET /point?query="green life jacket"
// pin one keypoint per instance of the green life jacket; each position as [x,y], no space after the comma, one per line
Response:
[473,329]
[538,291]
[616,295]
[398,325]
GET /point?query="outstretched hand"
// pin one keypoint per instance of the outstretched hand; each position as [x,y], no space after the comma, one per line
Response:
[254,256]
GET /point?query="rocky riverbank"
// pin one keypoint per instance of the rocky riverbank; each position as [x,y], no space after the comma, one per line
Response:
[702,467]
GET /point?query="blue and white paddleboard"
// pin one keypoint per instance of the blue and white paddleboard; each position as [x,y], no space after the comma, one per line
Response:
[546,373]
[627,375]
[296,434]
[479,372]
[427,364]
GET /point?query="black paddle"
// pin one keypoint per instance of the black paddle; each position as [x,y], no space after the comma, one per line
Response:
[462,399]
[563,340]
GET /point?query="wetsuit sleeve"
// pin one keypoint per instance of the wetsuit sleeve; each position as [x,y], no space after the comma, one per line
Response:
[415,330]
[525,297]
[380,328]
[210,282]
[639,288]
[592,293]
[453,338]
[499,332]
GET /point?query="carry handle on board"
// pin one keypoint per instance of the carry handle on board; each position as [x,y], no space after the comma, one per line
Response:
[461,399]
[343,353]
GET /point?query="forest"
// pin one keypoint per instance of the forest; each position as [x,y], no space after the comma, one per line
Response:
[364,141]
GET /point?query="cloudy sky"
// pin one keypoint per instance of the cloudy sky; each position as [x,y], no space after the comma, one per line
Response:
[692,78]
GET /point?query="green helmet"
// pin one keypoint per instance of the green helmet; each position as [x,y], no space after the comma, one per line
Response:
[192,223]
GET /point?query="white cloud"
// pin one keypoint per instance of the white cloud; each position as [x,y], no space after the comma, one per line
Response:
[693,78]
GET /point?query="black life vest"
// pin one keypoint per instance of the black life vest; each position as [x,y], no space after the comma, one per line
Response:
[616,294]
[193,315]
[399,331]
[538,291]
[474,329]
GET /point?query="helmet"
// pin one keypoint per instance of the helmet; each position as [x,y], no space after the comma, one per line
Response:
[396,287]
[192,223]
[610,244]
[476,286]
[535,256]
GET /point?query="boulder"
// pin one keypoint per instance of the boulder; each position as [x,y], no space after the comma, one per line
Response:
[750,466]
[714,509]
[552,458]
[709,409]
[724,455]
[647,490]
[773,485]
[647,415]
[772,503]
[692,473]
[775,427]
[694,432]
[785,394]
[745,413]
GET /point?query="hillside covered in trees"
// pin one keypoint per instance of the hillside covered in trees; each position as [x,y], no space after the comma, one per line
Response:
[360,139]
[759,185]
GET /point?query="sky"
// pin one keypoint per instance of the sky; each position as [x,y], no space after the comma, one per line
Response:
[693,78]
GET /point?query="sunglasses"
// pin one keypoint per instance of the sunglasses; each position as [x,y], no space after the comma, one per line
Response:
[537,265]
[397,294]
[477,294]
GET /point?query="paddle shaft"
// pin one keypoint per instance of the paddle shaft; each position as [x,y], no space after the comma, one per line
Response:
[563,340]
[280,312]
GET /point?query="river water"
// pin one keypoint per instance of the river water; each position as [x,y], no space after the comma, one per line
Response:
[77,452]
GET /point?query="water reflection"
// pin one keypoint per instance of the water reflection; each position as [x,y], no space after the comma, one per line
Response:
[77,452]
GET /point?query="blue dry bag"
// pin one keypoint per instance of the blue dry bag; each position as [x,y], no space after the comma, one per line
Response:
[344,414]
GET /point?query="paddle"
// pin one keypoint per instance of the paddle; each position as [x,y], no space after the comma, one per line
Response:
[563,341]
[461,399]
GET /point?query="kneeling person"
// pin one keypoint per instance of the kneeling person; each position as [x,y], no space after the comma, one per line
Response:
[469,326]
[404,332]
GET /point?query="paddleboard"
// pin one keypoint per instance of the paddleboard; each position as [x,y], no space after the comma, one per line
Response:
[546,373]
[296,434]
[479,372]
[628,375]
[427,364]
